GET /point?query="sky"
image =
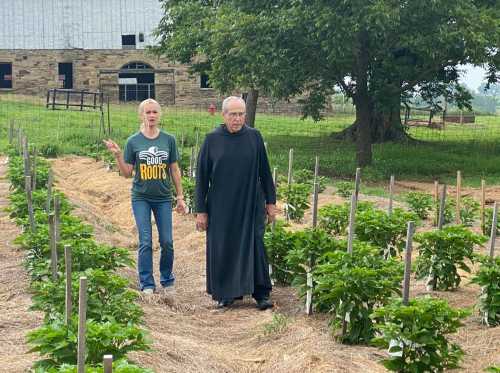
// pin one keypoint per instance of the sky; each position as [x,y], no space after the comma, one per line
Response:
[473,76]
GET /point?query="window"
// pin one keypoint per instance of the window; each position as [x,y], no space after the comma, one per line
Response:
[204,82]
[136,82]
[5,75]
[128,41]
[141,37]
[65,71]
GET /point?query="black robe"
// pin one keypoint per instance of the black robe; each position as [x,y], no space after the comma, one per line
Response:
[233,184]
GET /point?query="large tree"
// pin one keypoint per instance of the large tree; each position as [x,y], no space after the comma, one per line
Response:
[379,52]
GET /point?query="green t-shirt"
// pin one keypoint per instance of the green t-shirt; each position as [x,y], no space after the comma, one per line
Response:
[151,159]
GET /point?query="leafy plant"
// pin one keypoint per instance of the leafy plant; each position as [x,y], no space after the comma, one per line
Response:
[305,176]
[108,297]
[335,218]
[388,232]
[416,335]
[277,325]
[488,221]
[345,188]
[58,342]
[278,243]
[296,199]
[188,186]
[488,277]
[351,286]
[420,203]
[494,369]
[443,252]
[15,172]
[469,211]
[119,366]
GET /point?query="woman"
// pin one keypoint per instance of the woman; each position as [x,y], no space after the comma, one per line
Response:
[151,156]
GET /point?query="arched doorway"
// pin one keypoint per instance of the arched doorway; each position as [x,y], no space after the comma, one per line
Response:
[136,82]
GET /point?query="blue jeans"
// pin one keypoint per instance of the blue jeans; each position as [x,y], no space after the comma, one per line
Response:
[163,216]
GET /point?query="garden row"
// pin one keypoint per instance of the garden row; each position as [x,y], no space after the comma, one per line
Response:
[349,266]
[59,247]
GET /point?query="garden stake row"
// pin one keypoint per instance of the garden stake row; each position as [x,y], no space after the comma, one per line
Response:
[391,192]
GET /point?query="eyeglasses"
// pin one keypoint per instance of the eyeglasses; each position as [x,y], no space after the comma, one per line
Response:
[236,114]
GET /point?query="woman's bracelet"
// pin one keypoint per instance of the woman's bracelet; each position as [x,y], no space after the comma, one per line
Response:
[179,197]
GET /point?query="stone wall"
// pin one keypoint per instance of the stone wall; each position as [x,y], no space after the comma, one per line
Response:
[36,71]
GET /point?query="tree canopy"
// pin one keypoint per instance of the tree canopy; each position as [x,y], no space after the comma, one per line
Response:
[379,52]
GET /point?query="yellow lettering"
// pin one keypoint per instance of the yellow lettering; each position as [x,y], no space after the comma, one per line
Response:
[143,171]
[155,172]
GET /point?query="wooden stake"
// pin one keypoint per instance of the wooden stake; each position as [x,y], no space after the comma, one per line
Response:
[352,217]
[409,241]
[26,157]
[53,246]
[315,195]
[442,206]
[459,195]
[391,191]
[33,172]
[357,182]
[50,180]
[493,234]
[290,166]
[107,363]
[69,305]
[29,199]
[483,201]
[309,292]
[82,319]
[57,218]
[436,201]
[11,131]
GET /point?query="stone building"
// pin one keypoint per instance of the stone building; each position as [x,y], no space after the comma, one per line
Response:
[96,45]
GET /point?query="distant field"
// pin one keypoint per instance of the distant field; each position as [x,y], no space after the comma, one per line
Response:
[472,148]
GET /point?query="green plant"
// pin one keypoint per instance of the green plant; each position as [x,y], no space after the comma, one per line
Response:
[296,199]
[277,325]
[420,203]
[494,369]
[488,277]
[119,366]
[488,221]
[15,172]
[351,286]
[188,186]
[415,335]
[305,176]
[278,243]
[335,218]
[58,342]
[469,211]
[443,252]
[449,211]
[108,297]
[345,188]
[388,232]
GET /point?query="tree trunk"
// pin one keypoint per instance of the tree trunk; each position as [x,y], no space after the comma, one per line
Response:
[251,102]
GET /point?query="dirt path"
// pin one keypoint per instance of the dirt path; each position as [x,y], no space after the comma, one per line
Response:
[15,319]
[190,335]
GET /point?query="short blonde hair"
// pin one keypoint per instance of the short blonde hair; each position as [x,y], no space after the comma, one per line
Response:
[140,110]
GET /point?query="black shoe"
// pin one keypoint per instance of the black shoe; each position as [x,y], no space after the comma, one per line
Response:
[224,303]
[264,304]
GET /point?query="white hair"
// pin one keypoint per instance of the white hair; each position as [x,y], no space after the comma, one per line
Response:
[227,100]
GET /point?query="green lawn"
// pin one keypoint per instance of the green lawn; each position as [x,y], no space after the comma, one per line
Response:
[472,148]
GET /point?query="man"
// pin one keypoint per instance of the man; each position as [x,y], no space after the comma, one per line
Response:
[234,195]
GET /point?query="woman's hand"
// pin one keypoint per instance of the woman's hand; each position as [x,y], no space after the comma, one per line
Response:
[112,146]
[181,207]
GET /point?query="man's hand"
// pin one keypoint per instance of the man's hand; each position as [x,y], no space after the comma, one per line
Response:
[201,221]
[271,213]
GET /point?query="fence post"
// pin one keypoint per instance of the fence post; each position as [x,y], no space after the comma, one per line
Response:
[493,234]
[352,218]
[436,201]
[442,207]
[459,195]
[53,246]
[57,218]
[409,241]
[50,180]
[82,319]
[107,363]
[69,305]
[31,215]
[391,192]
[290,166]
[483,201]
[26,156]
[357,182]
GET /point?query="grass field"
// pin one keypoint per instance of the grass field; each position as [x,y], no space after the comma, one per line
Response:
[472,148]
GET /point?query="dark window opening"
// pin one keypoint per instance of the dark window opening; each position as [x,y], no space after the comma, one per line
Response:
[128,41]
[136,82]
[65,71]
[141,37]
[204,82]
[5,75]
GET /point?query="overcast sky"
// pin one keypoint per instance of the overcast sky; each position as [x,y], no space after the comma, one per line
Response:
[473,76]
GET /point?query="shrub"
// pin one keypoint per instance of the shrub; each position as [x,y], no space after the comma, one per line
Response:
[188,186]
[488,221]
[345,188]
[488,277]
[420,203]
[307,177]
[278,243]
[469,211]
[416,335]
[296,199]
[335,218]
[351,286]
[443,252]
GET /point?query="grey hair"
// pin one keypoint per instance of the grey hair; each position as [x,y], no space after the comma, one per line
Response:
[227,100]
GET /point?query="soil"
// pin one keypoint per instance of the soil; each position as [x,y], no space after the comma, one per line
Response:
[189,334]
